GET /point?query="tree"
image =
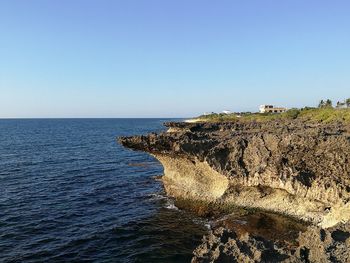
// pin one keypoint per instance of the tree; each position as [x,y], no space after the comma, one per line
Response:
[328,103]
[347,102]
[321,104]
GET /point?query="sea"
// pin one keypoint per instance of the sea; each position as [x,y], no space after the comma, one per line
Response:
[70,193]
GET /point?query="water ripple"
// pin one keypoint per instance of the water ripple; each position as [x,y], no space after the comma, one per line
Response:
[69,192]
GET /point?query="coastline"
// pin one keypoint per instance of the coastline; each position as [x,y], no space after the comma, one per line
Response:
[269,166]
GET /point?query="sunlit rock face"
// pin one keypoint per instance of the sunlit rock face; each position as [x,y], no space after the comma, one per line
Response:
[289,167]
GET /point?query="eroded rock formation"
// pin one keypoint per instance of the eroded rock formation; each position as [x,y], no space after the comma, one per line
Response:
[287,167]
[291,168]
[314,245]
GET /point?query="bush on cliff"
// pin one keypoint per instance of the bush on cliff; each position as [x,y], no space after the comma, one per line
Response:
[292,113]
[324,114]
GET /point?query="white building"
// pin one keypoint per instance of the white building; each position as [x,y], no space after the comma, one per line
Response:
[271,109]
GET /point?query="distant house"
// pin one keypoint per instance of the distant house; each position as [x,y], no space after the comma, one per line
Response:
[341,105]
[271,109]
[226,112]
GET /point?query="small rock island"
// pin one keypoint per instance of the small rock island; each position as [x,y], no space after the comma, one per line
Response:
[295,164]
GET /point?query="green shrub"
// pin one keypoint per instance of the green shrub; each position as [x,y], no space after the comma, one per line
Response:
[292,113]
[324,114]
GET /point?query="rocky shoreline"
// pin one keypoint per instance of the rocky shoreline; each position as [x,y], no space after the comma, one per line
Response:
[287,167]
[313,245]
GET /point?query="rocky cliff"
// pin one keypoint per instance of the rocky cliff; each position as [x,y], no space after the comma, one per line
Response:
[287,167]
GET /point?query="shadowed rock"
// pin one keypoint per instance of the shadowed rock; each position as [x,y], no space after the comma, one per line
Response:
[227,245]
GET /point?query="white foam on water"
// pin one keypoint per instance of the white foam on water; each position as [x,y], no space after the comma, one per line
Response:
[156,196]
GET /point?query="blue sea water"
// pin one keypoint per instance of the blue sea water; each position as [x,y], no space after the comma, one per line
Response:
[70,193]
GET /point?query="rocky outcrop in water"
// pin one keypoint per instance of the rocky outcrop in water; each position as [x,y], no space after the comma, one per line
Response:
[287,167]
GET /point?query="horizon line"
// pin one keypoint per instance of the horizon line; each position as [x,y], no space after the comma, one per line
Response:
[27,118]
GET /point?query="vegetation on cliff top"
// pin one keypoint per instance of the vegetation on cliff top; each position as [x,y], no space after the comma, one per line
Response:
[321,114]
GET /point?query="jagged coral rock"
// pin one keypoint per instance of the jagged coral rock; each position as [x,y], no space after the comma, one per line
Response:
[314,245]
[286,167]
[293,168]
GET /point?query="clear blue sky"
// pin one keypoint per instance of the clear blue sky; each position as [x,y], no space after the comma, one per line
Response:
[160,58]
